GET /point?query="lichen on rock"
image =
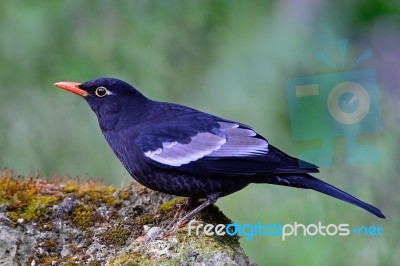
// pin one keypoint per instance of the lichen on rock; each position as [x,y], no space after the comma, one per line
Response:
[67,221]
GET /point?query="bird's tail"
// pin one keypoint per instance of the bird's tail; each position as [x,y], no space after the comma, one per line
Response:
[310,182]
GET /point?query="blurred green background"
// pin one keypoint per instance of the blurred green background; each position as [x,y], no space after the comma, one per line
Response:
[230,58]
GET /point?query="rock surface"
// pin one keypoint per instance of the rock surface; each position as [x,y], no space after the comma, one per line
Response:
[62,221]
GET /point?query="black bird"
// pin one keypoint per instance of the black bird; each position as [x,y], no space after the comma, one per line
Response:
[185,152]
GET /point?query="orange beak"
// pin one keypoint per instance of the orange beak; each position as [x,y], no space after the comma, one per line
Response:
[72,87]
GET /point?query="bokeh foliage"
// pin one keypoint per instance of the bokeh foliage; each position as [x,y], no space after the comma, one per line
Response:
[231,58]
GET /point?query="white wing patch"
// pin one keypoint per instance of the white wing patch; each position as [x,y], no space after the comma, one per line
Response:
[240,142]
[233,141]
[176,154]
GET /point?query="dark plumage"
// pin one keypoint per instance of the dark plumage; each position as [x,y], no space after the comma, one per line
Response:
[181,151]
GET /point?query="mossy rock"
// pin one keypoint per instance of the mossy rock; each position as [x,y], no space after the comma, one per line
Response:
[64,221]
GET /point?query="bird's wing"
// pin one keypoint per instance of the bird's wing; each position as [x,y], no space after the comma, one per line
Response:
[228,148]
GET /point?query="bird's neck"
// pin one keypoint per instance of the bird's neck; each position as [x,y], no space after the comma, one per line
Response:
[119,115]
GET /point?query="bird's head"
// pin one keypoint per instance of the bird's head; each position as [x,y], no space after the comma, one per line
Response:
[103,93]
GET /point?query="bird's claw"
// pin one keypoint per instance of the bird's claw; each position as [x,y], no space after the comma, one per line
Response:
[176,223]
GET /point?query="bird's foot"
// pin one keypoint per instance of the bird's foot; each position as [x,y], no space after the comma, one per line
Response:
[173,226]
[176,222]
[177,217]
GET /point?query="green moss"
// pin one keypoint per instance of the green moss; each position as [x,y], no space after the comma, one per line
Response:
[212,214]
[37,207]
[206,245]
[47,261]
[16,193]
[144,219]
[94,263]
[98,194]
[140,221]
[71,187]
[70,262]
[226,240]
[28,199]
[115,236]
[32,199]
[84,216]
[132,259]
[124,194]
[170,207]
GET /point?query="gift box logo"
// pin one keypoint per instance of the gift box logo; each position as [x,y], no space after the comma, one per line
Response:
[337,104]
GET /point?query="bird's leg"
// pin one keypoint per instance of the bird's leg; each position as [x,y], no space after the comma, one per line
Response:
[178,213]
[182,221]
[169,228]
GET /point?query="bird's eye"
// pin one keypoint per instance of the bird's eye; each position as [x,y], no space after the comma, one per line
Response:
[101,92]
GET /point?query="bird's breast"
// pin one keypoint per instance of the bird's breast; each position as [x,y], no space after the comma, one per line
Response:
[123,144]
